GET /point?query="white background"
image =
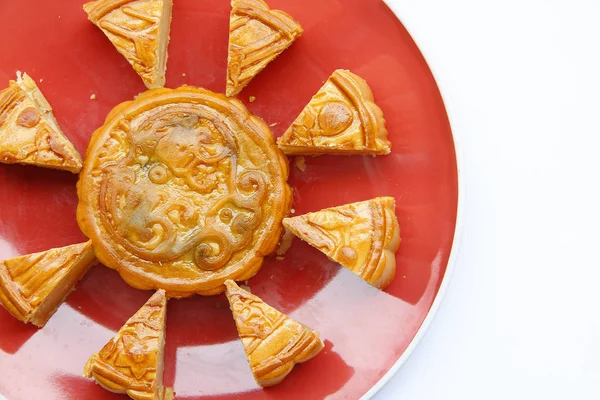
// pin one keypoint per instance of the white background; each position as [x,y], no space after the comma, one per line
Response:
[521,317]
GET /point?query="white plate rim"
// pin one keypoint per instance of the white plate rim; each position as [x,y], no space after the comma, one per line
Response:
[458,229]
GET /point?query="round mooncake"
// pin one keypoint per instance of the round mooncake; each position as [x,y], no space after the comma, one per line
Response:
[182,189]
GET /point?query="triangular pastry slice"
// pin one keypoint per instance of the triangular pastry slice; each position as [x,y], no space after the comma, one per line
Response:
[341,119]
[257,35]
[273,342]
[139,30]
[33,286]
[132,362]
[362,237]
[29,133]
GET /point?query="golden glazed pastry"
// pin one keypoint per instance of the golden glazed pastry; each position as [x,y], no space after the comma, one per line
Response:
[183,189]
[29,134]
[273,342]
[341,119]
[132,362]
[139,30]
[33,286]
[257,35]
[362,237]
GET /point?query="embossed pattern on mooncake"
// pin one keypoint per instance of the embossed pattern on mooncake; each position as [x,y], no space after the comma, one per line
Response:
[342,118]
[139,30]
[29,134]
[273,342]
[257,35]
[362,237]
[183,189]
[132,362]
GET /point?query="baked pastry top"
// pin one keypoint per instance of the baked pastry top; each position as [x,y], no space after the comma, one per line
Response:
[139,30]
[33,286]
[183,189]
[362,237]
[132,362]
[273,342]
[29,133]
[342,118]
[257,35]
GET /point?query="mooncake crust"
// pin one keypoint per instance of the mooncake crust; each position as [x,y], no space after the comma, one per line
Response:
[33,286]
[363,237]
[274,343]
[257,35]
[341,119]
[183,189]
[139,30]
[29,133]
[132,361]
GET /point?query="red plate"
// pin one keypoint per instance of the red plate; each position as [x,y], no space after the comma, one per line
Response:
[365,330]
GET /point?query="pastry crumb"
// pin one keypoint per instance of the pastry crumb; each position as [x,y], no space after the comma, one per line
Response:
[93,97]
[41,80]
[183,74]
[274,124]
[293,211]
[300,162]
[251,99]
[280,258]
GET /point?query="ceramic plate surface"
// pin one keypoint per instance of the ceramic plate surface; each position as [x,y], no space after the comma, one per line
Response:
[366,331]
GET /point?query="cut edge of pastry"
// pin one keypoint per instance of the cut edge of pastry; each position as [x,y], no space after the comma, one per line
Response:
[164,36]
[237,86]
[278,374]
[162,392]
[13,299]
[355,86]
[98,8]
[381,274]
[109,379]
[72,160]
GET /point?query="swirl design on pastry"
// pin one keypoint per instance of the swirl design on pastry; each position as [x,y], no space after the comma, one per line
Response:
[132,362]
[139,30]
[362,237]
[29,133]
[183,189]
[257,35]
[274,343]
[342,118]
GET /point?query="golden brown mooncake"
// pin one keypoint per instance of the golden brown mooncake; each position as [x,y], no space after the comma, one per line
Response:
[33,286]
[341,119]
[132,362]
[29,133]
[139,30]
[362,237]
[183,189]
[274,343]
[257,35]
